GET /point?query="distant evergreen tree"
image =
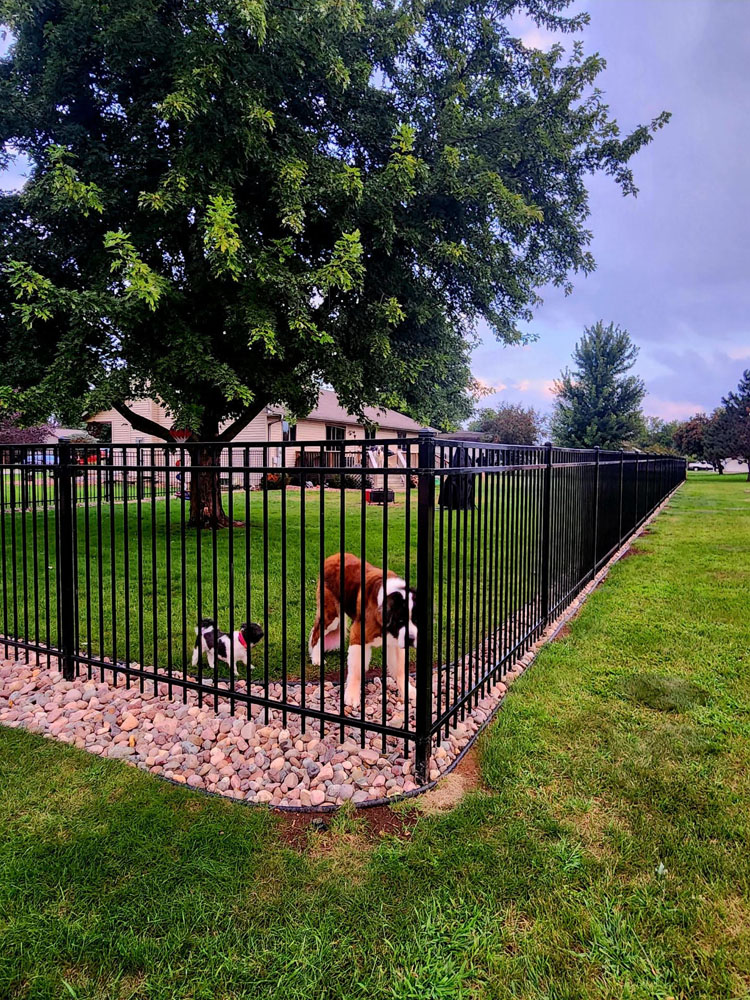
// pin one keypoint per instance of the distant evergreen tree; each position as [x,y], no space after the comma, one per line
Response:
[598,403]
[719,442]
[737,420]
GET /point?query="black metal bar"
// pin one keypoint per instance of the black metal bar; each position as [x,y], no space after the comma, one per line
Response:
[66,574]
[596,509]
[425,598]
[546,530]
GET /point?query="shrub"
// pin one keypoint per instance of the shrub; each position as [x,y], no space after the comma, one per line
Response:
[349,481]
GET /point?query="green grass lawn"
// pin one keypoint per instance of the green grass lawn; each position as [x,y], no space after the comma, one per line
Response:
[144,579]
[606,855]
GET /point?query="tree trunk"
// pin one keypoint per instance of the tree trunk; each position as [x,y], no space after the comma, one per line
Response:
[206,507]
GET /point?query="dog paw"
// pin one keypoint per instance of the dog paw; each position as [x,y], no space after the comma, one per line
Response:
[412,695]
[351,697]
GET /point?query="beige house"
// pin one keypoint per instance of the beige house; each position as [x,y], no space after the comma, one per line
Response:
[329,422]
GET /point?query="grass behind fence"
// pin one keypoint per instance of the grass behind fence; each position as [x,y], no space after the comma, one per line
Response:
[134,609]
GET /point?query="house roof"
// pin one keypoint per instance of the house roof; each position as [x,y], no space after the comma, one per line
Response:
[330,411]
[462,435]
[75,433]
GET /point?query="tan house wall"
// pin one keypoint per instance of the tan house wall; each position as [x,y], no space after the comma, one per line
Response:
[123,431]
[266,427]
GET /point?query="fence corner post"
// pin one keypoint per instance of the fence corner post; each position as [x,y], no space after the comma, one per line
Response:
[546,531]
[425,599]
[66,576]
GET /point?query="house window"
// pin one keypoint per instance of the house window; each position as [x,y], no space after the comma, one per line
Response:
[401,435]
[370,432]
[101,430]
[335,432]
[288,431]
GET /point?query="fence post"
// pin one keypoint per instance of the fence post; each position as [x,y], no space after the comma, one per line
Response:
[546,529]
[425,598]
[65,566]
[622,485]
[636,519]
[596,510]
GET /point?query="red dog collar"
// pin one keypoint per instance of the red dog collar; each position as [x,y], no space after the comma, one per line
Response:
[243,641]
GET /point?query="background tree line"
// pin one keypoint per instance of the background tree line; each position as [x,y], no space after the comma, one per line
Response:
[598,404]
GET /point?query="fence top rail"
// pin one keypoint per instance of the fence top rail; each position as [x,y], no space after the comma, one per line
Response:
[329,444]
[556,449]
[478,454]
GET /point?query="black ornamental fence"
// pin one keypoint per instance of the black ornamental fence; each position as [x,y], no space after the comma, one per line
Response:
[108,567]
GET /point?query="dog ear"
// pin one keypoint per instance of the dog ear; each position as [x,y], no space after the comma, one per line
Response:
[255,632]
[392,606]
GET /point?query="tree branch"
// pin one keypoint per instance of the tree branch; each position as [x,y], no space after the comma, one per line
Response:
[141,423]
[231,432]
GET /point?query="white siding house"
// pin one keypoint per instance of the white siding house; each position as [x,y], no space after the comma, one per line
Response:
[328,421]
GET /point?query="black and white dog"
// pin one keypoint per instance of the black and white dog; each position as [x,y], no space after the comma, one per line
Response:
[211,642]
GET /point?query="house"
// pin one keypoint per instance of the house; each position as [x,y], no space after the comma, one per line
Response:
[328,422]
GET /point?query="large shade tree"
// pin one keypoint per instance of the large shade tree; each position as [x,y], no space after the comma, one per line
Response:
[598,403]
[234,202]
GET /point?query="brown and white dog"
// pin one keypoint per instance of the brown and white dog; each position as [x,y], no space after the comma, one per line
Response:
[382,606]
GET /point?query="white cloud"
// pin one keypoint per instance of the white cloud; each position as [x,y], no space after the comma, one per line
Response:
[538,386]
[669,409]
[490,387]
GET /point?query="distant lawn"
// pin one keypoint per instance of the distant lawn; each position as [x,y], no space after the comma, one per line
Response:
[607,858]
[259,578]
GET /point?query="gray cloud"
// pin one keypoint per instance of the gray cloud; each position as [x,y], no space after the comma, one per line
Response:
[673,264]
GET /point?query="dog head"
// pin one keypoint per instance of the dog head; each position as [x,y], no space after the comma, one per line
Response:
[398,606]
[252,633]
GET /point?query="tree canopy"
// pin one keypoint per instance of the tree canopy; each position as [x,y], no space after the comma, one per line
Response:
[233,203]
[689,437]
[735,422]
[598,403]
[719,442]
[656,435]
[509,423]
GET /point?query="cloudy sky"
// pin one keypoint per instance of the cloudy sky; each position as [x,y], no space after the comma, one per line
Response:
[673,264]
